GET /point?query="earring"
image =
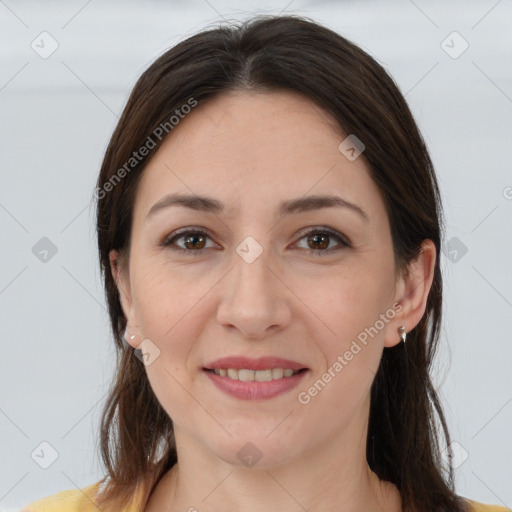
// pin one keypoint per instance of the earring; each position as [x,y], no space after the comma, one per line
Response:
[132,337]
[403,333]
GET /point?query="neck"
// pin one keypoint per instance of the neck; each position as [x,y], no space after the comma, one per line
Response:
[320,481]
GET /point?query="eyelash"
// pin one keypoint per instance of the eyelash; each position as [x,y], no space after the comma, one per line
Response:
[169,241]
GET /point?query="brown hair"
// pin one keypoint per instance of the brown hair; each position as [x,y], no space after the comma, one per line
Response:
[291,53]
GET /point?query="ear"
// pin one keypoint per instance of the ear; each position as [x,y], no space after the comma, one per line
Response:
[411,292]
[121,277]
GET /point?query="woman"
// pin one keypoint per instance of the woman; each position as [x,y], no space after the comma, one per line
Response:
[272,275]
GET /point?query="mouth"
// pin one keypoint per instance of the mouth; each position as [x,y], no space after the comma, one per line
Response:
[260,378]
[248,384]
[247,375]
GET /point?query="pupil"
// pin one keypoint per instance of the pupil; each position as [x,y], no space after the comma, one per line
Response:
[324,237]
[192,237]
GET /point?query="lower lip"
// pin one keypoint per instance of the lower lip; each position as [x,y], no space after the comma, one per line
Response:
[254,390]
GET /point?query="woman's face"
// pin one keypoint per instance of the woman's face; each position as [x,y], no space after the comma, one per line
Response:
[252,285]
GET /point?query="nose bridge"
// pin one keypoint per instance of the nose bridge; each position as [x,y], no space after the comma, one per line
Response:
[252,278]
[251,299]
[252,267]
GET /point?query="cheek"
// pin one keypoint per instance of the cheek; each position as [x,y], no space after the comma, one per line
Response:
[171,311]
[351,350]
[166,300]
[356,308]
[168,312]
[348,301]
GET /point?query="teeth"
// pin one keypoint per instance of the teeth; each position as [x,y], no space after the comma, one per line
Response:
[277,373]
[246,375]
[251,375]
[261,375]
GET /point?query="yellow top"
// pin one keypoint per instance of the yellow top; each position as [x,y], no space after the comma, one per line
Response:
[81,500]
[76,500]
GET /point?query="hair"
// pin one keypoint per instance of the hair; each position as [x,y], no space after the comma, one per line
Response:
[264,54]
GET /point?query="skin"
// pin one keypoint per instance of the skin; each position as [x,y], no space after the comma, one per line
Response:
[251,151]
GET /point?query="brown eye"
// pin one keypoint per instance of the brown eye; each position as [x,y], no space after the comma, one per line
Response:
[193,241]
[319,239]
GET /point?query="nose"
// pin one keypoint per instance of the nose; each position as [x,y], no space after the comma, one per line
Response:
[254,299]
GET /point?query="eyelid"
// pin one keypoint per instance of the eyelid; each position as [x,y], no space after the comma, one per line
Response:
[168,241]
[324,229]
[179,233]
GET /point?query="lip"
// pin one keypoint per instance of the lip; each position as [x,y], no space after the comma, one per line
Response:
[262,363]
[254,390]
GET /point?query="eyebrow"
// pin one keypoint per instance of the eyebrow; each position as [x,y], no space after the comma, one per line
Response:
[292,206]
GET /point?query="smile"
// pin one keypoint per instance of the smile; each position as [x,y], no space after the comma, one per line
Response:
[255,384]
[245,375]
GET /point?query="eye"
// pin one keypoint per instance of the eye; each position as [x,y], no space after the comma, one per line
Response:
[321,237]
[194,240]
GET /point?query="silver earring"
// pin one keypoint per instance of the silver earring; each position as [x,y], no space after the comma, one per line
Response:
[403,333]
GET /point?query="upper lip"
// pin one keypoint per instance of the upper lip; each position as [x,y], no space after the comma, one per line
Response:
[262,363]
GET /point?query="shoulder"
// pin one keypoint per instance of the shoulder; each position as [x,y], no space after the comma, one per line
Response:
[75,500]
[79,500]
[480,507]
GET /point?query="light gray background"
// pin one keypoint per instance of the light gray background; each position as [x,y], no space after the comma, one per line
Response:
[57,115]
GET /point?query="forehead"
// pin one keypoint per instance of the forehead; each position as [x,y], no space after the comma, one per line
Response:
[255,149]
